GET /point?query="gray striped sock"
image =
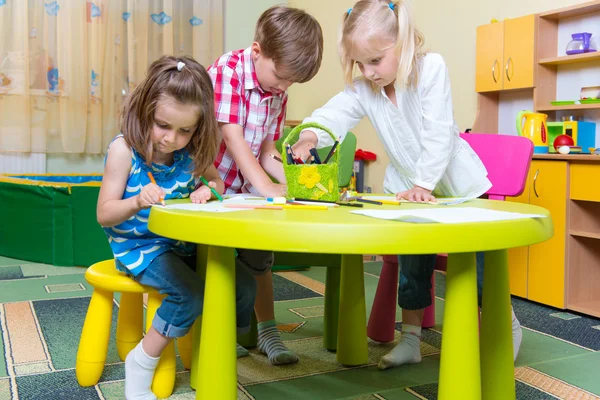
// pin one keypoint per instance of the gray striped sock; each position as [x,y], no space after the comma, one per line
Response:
[269,343]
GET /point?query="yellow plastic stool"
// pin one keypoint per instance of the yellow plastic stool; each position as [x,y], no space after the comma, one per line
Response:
[93,345]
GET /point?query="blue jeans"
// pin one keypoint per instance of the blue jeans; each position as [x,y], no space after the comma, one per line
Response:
[175,276]
[415,280]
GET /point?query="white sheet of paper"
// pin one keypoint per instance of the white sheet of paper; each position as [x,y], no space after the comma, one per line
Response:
[441,201]
[217,206]
[450,215]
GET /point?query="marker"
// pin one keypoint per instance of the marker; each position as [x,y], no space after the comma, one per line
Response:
[332,150]
[162,198]
[205,182]
[315,154]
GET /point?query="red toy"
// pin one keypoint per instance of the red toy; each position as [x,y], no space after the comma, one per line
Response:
[563,140]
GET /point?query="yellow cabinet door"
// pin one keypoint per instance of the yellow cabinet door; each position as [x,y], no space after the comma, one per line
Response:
[546,274]
[518,257]
[488,69]
[519,52]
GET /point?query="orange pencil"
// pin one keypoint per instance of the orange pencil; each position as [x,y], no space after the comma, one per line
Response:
[162,199]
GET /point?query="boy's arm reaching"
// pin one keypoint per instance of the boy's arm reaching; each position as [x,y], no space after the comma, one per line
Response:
[270,165]
[233,135]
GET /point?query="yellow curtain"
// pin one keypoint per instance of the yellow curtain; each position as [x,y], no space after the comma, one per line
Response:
[66,65]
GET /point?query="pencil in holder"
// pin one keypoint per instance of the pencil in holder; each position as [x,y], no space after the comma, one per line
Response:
[311,181]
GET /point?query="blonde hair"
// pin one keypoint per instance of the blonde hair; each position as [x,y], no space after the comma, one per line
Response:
[373,20]
[190,84]
[293,39]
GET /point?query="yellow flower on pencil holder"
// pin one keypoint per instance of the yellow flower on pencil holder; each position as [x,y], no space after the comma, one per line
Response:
[309,177]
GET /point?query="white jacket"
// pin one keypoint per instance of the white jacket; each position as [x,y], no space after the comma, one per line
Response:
[420,136]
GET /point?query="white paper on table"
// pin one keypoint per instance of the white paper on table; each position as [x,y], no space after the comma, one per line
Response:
[217,206]
[440,201]
[446,215]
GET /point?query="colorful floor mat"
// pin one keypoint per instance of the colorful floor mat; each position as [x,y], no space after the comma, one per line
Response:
[42,309]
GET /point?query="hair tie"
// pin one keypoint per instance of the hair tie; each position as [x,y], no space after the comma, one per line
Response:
[180,66]
[349,10]
[391,5]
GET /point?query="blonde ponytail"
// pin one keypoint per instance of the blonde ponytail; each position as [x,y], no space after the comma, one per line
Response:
[409,45]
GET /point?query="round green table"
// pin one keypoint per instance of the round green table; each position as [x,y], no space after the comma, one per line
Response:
[465,371]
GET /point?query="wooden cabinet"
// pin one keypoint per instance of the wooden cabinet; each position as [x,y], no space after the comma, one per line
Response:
[583,261]
[519,52]
[490,47]
[538,271]
[505,54]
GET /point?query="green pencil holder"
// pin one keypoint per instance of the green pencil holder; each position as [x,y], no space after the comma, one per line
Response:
[311,181]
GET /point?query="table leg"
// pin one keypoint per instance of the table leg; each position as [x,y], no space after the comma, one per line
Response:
[460,376]
[332,306]
[497,365]
[201,258]
[352,326]
[217,373]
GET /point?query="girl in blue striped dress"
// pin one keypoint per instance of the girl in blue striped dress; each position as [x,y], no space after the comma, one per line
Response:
[169,136]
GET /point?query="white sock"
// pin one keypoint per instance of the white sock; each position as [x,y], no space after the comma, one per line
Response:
[139,371]
[517,334]
[407,351]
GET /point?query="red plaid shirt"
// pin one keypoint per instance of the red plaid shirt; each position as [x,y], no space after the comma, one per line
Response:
[240,100]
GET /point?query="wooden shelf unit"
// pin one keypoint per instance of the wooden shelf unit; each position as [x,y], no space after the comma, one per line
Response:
[572,11]
[574,59]
[546,63]
[567,185]
[550,108]
[583,257]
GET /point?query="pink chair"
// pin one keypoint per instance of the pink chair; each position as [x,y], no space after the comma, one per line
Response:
[507,160]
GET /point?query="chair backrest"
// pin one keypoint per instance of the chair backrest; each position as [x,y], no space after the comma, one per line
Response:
[506,159]
[347,149]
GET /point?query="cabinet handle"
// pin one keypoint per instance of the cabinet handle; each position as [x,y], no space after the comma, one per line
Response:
[534,180]
[494,70]
[506,68]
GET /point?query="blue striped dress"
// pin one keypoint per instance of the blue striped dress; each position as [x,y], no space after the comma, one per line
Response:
[131,241]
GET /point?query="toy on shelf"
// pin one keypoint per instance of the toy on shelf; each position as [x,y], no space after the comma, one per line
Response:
[533,126]
[563,140]
[582,42]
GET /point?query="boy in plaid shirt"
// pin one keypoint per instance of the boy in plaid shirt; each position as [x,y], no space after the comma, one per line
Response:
[250,103]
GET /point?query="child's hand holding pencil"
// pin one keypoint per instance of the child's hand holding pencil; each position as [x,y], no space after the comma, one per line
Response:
[150,194]
[203,193]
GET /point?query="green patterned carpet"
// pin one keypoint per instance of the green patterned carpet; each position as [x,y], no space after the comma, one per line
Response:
[42,309]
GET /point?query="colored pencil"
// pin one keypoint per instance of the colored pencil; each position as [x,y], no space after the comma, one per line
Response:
[369,201]
[313,201]
[304,207]
[205,182]
[276,158]
[162,198]
[349,204]
[390,202]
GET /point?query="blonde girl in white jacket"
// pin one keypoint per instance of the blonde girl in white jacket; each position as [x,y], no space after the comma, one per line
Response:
[405,93]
